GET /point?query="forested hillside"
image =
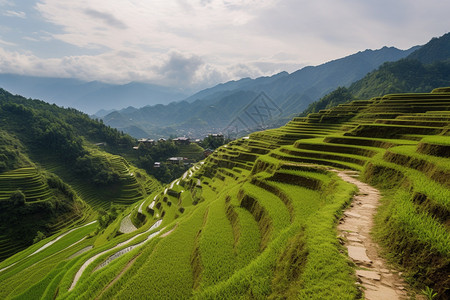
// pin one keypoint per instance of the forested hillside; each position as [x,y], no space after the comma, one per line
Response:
[257,218]
[53,177]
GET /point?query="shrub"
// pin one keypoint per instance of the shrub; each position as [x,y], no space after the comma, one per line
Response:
[39,237]
[18,198]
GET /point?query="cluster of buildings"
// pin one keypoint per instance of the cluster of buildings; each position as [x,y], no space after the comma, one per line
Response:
[179,141]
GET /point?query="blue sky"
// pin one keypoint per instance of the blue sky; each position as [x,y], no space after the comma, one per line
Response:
[198,43]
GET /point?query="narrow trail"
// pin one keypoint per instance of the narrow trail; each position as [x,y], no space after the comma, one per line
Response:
[129,264]
[59,237]
[93,258]
[377,278]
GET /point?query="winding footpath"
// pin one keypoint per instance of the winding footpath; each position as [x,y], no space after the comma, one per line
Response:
[378,280]
[117,254]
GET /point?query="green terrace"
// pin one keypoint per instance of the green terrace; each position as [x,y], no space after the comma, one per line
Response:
[257,218]
[28,180]
[133,185]
[37,197]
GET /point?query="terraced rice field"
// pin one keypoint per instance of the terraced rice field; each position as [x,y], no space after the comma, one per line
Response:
[29,180]
[134,184]
[33,184]
[257,219]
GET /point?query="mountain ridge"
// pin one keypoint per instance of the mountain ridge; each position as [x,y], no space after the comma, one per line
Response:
[89,96]
[423,70]
[292,92]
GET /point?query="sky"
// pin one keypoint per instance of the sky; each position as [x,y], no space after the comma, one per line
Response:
[194,44]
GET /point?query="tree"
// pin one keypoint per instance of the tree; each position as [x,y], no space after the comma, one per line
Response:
[39,237]
[214,141]
[18,198]
[338,96]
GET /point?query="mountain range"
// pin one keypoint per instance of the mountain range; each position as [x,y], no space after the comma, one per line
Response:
[213,109]
[425,69]
[89,97]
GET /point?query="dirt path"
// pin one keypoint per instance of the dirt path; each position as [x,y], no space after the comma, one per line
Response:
[90,260]
[378,280]
[130,263]
[59,237]
[170,231]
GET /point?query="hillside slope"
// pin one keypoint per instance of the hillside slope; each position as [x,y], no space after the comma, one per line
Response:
[257,218]
[53,177]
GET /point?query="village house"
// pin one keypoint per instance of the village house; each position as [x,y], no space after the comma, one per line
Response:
[208,152]
[182,140]
[146,141]
[176,160]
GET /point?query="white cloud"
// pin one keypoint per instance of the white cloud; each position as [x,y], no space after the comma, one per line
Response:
[167,24]
[13,13]
[181,35]
[173,69]
[2,42]
[202,42]
[6,3]
[29,38]
[106,18]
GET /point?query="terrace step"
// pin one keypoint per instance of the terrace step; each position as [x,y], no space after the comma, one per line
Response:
[317,154]
[304,159]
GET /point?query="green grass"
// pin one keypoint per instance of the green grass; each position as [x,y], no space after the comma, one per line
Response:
[169,257]
[340,162]
[192,151]
[248,244]
[19,277]
[437,139]
[215,246]
[277,213]
[133,186]
[411,224]
[415,240]
[417,180]
[257,220]
[29,180]
[255,280]
[419,161]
